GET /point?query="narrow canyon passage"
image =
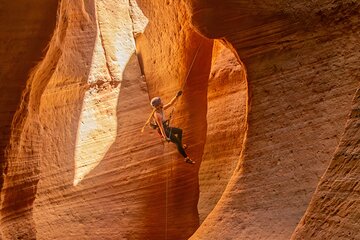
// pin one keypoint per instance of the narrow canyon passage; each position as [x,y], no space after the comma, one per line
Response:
[89,168]
[268,89]
[302,75]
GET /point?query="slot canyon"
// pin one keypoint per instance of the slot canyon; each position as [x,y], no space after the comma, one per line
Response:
[270,111]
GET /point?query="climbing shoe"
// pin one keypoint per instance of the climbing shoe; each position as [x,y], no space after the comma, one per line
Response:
[188,160]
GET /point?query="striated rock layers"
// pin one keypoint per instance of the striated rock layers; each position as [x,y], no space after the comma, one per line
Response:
[301,61]
[334,209]
[263,111]
[26,28]
[77,166]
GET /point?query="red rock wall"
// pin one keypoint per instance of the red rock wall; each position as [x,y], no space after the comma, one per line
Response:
[78,167]
[226,124]
[88,169]
[166,50]
[22,24]
[28,143]
[26,28]
[300,61]
[334,209]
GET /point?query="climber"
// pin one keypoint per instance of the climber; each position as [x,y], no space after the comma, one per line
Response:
[160,123]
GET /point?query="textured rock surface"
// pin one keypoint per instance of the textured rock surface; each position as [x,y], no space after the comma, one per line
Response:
[226,118]
[87,168]
[78,167]
[22,24]
[167,49]
[25,30]
[334,210]
[75,84]
[301,62]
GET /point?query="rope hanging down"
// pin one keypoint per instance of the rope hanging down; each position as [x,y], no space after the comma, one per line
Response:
[184,84]
[182,88]
[170,116]
[166,200]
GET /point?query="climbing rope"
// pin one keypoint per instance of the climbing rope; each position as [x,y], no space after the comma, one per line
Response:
[168,179]
[169,120]
[148,120]
[183,86]
[182,89]
[171,162]
[166,199]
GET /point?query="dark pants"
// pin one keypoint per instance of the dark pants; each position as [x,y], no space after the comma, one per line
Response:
[175,135]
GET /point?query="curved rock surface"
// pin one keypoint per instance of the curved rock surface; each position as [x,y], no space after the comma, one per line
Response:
[26,29]
[333,211]
[78,131]
[263,111]
[226,121]
[302,74]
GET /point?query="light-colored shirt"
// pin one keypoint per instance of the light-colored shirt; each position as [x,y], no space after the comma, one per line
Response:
[162,114]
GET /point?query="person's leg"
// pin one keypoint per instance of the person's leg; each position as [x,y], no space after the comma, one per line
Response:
[170,132]
[178,132]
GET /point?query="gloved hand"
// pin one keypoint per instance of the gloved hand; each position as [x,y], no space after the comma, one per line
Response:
[179,93]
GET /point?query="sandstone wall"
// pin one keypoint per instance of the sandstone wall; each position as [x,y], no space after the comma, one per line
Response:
[167,50]
[301,68]
[334,209]
[26,28]
[77,160]
[226,125]
[263,111]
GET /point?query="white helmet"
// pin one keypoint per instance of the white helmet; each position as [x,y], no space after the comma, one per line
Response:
[155,102]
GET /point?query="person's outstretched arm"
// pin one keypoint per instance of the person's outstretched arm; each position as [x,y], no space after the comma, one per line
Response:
[172,101]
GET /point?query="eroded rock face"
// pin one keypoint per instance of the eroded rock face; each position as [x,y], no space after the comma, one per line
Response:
[78,130]
[300,61]
[226,121]
[79,168]
[167,50]
[335,202]
[22,25]
[26,28]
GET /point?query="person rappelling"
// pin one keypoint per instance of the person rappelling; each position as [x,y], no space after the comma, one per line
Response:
[159,122]
[157,119]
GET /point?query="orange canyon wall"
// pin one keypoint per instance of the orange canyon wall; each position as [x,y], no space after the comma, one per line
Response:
[76,154]
[77,166]
[26,29]
[334,210]
[302,73]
